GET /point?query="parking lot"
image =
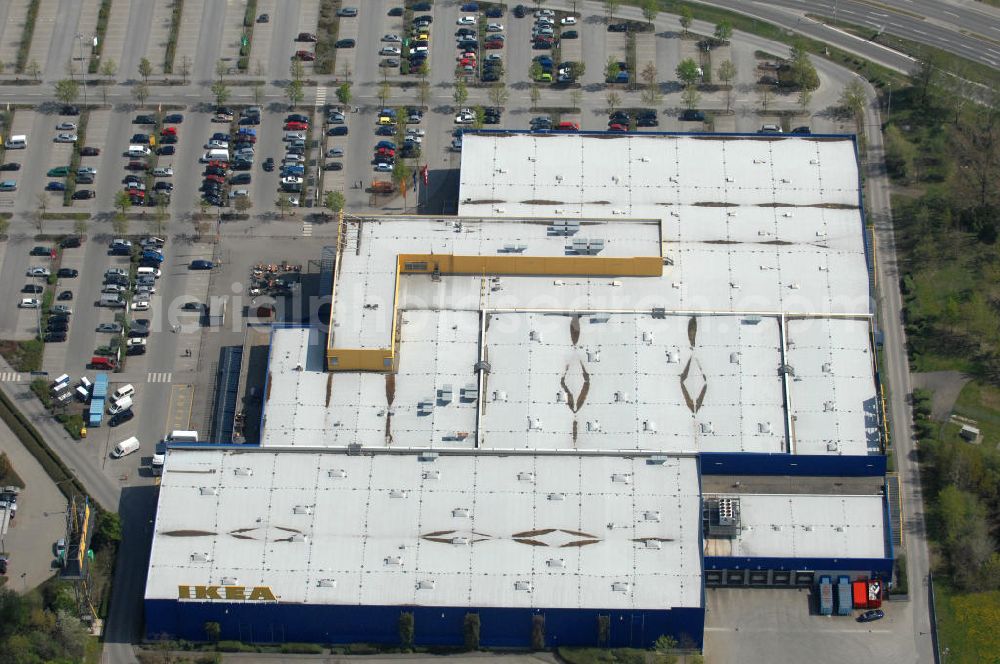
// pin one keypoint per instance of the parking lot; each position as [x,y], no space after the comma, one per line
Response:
[784,627]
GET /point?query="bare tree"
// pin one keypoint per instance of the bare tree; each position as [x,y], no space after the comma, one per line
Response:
[613,100]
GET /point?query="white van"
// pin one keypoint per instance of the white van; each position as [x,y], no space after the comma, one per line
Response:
[85,382]
[120,406]
[148,272]
[183,437]
[218,154]
[123,391]
[112,300]
[125,447]
[138,150]
[60,383]
[156,464]
[82,393]
[17,142]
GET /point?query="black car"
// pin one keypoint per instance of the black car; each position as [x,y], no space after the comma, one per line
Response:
[83,194]
[385,130]
[468,44]
[70,242]
[132,179]
[570,34]
[490,77]
[67,273]
[10,166]
[85,178]
[144,120]
[89,152]
[41,251]
[268,164]
[396,11]
[620,117]
[57,326]
[494,12]
[240,178]
[618,27]
[136,350]
[174,118]
[69,110]
[169,139]
[121,418]
[464,32]
[421,7]
[802,130]
[139,328]
[32,289]
[58,318]
[53,337]
[337,131]
[691,115]
[213,200]
[520,11]
[166,150]
[344,43]
[214,170]
[333,166]
[647,122]
[410,152]
[489,119]
[874,614]
[163,186]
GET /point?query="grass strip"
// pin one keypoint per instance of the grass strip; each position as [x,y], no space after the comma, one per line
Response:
[326,39]
[249,21]
[29,30]
[103,15]
[175,27]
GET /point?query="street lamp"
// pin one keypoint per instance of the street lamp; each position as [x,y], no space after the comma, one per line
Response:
[83,74]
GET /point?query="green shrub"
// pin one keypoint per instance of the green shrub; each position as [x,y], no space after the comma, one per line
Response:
[901,584]
[103,14]
[301,649]
[361,649]
[234,646]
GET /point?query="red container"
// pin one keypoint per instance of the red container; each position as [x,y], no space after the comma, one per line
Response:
[859,593]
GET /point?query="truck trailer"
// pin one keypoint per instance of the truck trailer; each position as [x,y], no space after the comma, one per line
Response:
[844,600]
[825,596]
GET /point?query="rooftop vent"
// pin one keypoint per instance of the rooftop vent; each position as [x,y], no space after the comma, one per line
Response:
[431,474]
[535,335]
[621,397]
[499,395]
[461,512]
[649,426]
[298,537]
[827,367]
[764,427]
[593,425]
[653,544]
[734,358]
[399,493]
[229,581]
[426,584]
[327,583]
[302,509]
[593,356]
[523,585]
[461,541]
[706,427]
[209,491]
[647,338]
[336,473]
[621,586]
[622,478]
[657,459]
[200,558]
[556,496]
[394,561]
[829,407]
[831,446]
[652,515]
[534,424]
[244,472]
[526,476]
[556,562]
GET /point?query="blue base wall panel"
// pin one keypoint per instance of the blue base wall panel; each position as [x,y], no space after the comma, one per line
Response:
[818,465]
[433,626]
[875,566]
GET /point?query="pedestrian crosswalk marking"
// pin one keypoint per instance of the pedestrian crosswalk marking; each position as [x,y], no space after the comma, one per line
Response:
[159,377]
[307,229]
[320,96]
[10,377]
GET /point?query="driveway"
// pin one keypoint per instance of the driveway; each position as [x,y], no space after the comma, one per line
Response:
[944,387]
[41,519]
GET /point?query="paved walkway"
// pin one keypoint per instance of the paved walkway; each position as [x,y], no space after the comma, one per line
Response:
[40,521]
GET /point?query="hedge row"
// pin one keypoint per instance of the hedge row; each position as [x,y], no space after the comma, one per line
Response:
[175,28]
[326,39]
[249,20]
[103,14]
[29,31]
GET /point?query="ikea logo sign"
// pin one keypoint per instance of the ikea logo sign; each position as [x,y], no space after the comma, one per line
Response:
[227,593]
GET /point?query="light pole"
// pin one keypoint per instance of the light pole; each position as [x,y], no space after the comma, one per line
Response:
[888,111]
[83,73]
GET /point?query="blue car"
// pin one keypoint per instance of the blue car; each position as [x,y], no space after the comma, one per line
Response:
[55,186]
[154,256]
[470,7]
[201,265]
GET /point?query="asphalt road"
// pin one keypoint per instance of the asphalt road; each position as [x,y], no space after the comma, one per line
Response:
[140,19]
[971,30]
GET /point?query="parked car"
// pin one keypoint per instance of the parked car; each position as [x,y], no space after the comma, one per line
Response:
[67,273]
[201,265]
[89,152]
[344,43]
[83,194]
[29,303]
[874,614]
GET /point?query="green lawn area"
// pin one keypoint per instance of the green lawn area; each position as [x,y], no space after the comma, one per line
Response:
[968,626]
[981,403]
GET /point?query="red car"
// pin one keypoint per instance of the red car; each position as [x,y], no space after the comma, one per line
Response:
[136,166]
[493,45]
[467,61]
[216,178]
[169,131]
[296,126]
[136,193]
[617,127]
[568,126]
[386,152]
[307,56]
